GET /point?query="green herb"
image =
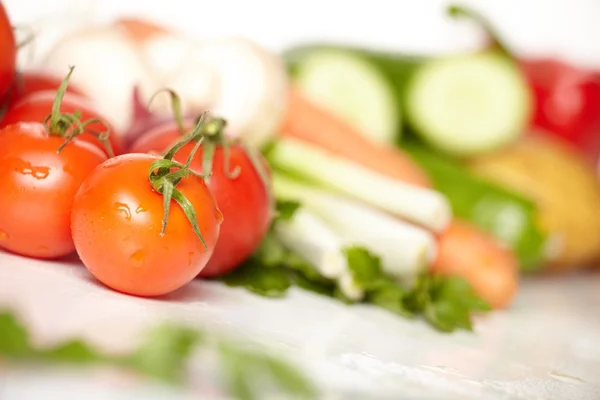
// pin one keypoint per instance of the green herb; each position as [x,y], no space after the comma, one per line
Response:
[446,302]
[163,354]
[286,209]
[268,282]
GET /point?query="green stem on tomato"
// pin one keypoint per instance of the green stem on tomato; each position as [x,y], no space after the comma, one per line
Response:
[455,10]
[69,126]
[165,181]
[175,106]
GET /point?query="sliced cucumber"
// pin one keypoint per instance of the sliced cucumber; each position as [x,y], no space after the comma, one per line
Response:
[468,104]
[463,105]
[350,86]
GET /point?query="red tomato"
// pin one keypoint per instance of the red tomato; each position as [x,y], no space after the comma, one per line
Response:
[37,186]
[8,52]
[158,139]
[33,81]
[116,225]
[243,200]
[37,106]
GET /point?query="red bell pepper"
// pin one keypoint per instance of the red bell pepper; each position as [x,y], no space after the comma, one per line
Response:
[567,103]
[566,97]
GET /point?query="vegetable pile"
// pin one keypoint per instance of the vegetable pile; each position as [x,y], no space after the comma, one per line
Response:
[399,181]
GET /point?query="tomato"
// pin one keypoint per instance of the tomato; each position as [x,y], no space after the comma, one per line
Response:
[477,257]
[8,52]
[116,225]
[157,139]
[243,199]
[37,106]
[33,81]
[37,186]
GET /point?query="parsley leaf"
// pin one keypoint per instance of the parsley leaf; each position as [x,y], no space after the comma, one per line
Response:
[286,208]
[446,302]
[265,369]
[264,281]
[163,354]
[14,339]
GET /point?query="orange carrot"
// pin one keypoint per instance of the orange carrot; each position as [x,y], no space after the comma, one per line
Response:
[311,123]
[492,270]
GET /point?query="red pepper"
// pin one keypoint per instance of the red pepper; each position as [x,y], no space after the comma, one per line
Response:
[567,103]
[566,97]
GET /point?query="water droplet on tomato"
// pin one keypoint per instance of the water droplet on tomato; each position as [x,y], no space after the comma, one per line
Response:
[140,209]
[191,257]
[138,257]
[36,172]
[3,235]
[123,209]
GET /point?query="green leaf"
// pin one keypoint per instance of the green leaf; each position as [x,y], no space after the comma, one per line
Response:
[14,339]
[289,378]
[246,371]
[286,209]
[323,288]
[390,297]
[447,303]
[163,354]
[271,253]
[75,351]
[165,351]
[366,268]
[269,282]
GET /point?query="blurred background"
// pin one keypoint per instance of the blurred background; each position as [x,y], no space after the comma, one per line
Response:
[564,28]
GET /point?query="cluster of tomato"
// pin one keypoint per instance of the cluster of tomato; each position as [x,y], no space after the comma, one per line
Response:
[143,220]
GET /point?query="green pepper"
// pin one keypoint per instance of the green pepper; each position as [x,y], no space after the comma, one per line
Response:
[506,215]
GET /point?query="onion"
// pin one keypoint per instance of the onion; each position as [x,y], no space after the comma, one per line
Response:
[122,65]
[107,67]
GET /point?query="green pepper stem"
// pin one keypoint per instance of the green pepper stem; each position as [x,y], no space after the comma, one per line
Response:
[455,11]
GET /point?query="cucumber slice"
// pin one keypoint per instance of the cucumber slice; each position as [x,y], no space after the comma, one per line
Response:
[351,87]
[468,104]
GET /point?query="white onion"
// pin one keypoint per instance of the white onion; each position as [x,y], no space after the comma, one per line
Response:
[107,67]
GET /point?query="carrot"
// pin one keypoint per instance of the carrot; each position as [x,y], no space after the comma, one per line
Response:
[309,122]
[468,252]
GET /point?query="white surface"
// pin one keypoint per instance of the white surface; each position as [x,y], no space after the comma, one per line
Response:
[546,347]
